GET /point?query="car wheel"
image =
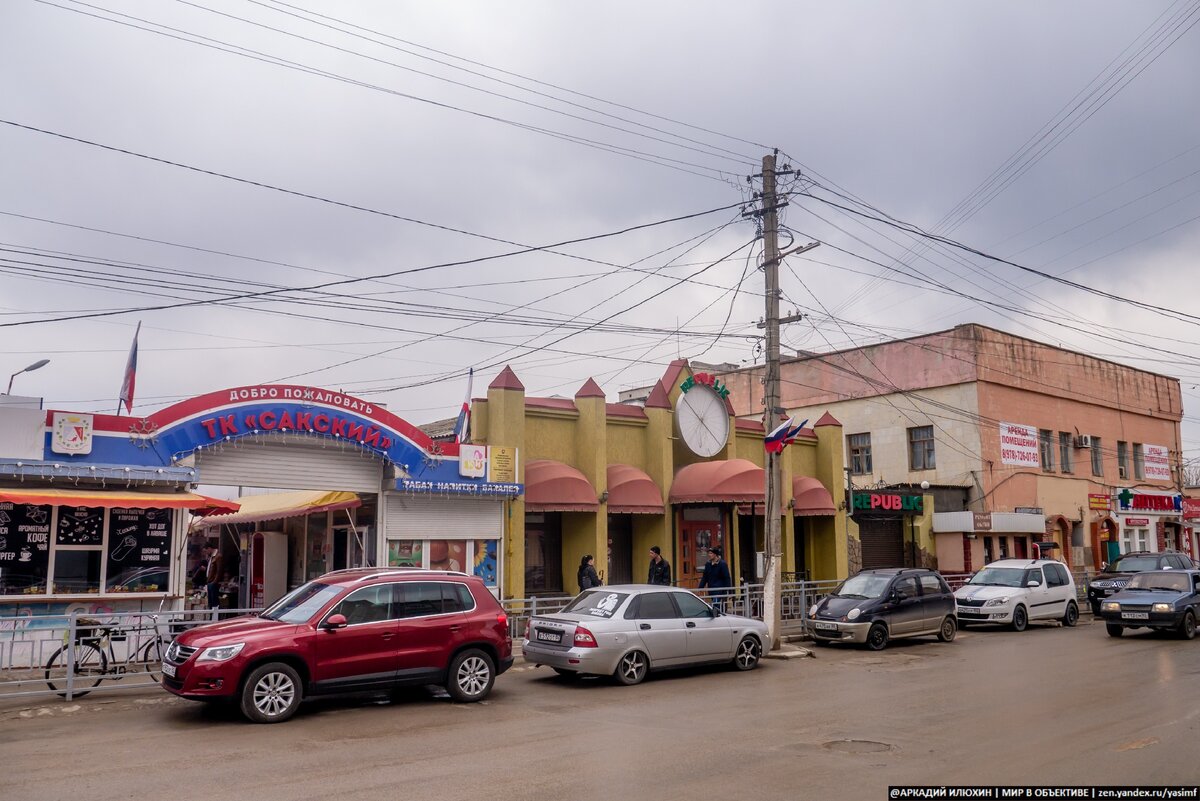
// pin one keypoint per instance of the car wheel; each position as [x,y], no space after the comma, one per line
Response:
[1187,628]
[470,676]
[948,630]
[1114,630]
[877,637]
[1020,619]
[1071,616]
[566,674]
[272,693]
[748,653]
[632,668]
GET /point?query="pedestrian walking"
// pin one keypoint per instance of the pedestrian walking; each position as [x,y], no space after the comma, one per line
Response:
[716,578]
[212,574]
[587,575]
[660,569]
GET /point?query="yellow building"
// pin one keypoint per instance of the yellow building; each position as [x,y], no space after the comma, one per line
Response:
[680,472]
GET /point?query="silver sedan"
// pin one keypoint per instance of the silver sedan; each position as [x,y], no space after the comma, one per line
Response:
[627,630]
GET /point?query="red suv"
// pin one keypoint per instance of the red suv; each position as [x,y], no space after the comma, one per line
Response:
[350,631]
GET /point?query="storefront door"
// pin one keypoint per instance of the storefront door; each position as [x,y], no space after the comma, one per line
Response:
[882,542]
[620,550]
[701,528]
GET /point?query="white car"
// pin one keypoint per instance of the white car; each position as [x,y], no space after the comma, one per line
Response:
[1013,592]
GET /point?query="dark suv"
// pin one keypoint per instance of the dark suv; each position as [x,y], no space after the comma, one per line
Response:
[876,606]
[350,631]
[1115,576]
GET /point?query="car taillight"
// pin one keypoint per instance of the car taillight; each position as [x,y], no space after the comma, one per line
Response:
[502,619]
[529,629]
[584,638]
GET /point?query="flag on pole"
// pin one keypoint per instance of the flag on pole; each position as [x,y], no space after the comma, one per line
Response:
[783,435]
[462,427]
[127,385]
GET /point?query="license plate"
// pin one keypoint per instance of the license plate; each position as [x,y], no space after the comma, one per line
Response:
[1135,615]
[548,636]
[168,670]
[825,626]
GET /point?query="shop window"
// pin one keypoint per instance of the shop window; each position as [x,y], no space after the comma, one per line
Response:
[139,550]
[1097,458]
[406,553]
[1046,447]
[77,571]
[1123,459]
[24,548]
[1065,451]
[1139,461]
[78,549]
[487,561]
[920,448]
[448,555]
[543,552]
[860,454]
[1003,542]
[989,552]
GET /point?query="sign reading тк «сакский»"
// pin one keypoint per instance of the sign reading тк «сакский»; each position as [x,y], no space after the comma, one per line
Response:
[894,502]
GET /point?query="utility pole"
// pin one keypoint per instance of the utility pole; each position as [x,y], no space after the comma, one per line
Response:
[772,590]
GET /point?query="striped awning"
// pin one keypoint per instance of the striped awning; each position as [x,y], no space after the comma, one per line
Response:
[200,504]
[277,506]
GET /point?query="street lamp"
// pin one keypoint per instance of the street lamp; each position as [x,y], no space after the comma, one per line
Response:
[35,366]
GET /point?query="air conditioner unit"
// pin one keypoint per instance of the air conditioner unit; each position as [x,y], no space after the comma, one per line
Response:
[1083,441]
[1123,471]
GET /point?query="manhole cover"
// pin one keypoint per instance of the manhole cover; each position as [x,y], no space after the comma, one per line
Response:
[857,746]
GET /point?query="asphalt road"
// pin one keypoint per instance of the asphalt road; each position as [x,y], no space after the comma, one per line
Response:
[1048,706]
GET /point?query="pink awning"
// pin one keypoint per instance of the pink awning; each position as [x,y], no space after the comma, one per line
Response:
[811,498]
[735,480]
[552,486]
[632,492]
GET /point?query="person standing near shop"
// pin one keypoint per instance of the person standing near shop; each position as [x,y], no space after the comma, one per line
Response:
[716,578]
[660,569]
[212,575]
[587,575]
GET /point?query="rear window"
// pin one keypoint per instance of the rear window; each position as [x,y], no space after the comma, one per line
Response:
[599,603]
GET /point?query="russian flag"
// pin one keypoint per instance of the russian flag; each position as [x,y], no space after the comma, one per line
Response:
[783,435]
[127,385]
[462,428]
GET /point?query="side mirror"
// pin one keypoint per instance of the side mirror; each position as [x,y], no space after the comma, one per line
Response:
[716,612]
[334,622]
[1033,583]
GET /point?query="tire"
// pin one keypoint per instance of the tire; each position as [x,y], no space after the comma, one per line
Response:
[1187,627]
[948,630]
[271,693]
[877,637]
[1020,619]
[748,653]
[1071,616]
[151,656]
[91,667]
[470,676]
[632,668]
[1114,630]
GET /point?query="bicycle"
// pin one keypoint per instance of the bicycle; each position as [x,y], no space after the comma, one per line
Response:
[96,660]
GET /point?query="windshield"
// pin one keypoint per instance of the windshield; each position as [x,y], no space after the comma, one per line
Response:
[599,603]
[999,577]
[864,585]
[1160,580]
[1133,564]
[301,603]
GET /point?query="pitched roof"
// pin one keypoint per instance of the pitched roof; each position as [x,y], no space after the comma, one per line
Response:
[507,380]
[590,389]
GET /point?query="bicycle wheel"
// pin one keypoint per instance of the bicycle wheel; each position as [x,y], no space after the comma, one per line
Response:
[151,657]
[91,666]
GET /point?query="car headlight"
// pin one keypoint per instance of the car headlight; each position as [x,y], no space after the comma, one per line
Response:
[996,602]
[1161,608]
[853,614]
[1110,606]
[220,653]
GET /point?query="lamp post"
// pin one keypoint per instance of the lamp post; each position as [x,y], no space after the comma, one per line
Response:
[35,366]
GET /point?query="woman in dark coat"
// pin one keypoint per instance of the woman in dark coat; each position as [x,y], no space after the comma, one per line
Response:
[587,575]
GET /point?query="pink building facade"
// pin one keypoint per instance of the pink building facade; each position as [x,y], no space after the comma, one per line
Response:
[1024,443]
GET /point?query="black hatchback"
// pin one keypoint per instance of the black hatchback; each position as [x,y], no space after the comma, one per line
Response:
[876,606]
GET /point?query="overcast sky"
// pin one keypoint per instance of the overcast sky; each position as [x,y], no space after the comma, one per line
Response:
[491,126]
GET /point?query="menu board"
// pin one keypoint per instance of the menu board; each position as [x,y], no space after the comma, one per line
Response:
[80,525]
[24,548]
[139,550]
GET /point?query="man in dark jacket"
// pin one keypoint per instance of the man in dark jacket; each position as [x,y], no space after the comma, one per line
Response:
[716,578]
[660,570]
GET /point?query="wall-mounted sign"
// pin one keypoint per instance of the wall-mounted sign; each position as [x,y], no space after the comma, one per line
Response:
[1128,500]
[707,380]
[893,502]
[80,525]
[1191,508]
[1019,445]
[139,549]
[1158,462]
[472,460]
[1028,510]
[981,521]
[1137,521]
[71,433]
[24,548]
[502,465]
[1099,502]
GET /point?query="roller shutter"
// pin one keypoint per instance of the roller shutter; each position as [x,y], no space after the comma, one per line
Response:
[415,517]
[289,463]
[882,542]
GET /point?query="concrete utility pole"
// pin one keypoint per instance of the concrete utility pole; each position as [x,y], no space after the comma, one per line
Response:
[773,581]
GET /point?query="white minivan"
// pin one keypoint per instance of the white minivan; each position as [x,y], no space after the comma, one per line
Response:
[1014,592]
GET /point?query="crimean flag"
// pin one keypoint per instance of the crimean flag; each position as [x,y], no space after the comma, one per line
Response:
[783,435]
[462,427]
[127,385]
